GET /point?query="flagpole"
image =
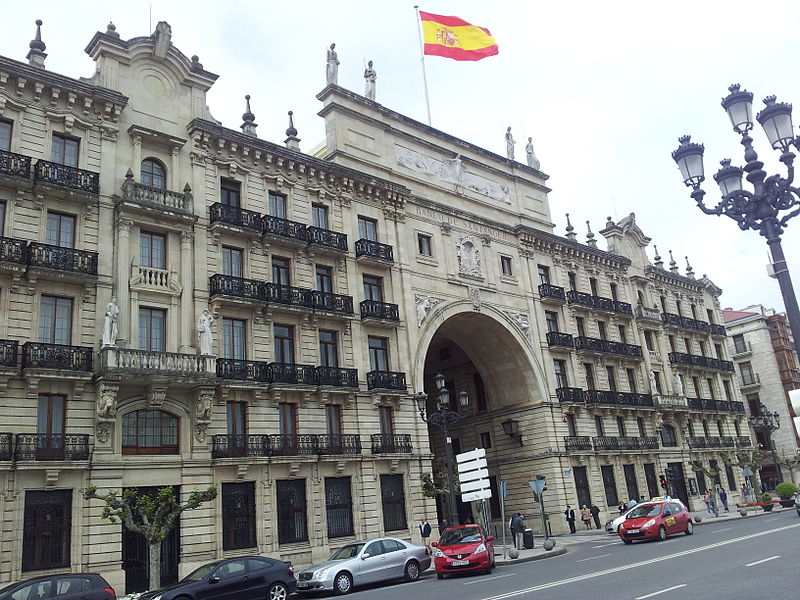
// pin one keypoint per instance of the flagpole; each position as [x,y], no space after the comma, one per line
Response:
[422,62]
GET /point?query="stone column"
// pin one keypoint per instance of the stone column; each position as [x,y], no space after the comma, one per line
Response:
[174,178]
[187,281]
[136,167]
[123,277]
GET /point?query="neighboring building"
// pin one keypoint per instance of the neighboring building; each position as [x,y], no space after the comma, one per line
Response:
[767,367]
[336,286]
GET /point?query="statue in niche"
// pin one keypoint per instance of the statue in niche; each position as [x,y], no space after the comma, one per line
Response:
[653,388]
[469,257]
[110,327]
[203,410]
[205,336]
[677,384]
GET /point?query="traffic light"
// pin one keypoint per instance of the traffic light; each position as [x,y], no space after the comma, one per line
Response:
[662,481]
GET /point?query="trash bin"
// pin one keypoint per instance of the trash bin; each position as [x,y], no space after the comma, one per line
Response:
[527,539]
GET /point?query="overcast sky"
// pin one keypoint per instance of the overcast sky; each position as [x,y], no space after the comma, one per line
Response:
[604,88]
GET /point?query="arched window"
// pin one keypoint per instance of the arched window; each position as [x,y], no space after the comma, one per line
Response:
[149,432]
[153,173]
[668,438]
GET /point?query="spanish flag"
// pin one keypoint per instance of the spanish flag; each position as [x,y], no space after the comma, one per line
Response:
[454,38]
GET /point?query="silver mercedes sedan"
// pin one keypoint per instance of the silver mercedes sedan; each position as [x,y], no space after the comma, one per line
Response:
[365,562]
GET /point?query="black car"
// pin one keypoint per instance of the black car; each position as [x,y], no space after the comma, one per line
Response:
[240,578]
[797,503]
[65,586]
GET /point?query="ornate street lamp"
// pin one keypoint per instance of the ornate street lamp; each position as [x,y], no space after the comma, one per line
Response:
[444,418]
[760,209]
[767,422]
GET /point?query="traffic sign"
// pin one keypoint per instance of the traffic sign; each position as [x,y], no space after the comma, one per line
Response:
[471,455]
[537,485]
[504,488]
[473,475]
[479,495]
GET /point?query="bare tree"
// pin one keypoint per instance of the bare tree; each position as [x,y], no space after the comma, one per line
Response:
[754,458]
[713,473]
[790,461]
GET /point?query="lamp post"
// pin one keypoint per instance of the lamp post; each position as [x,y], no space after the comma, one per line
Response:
[444,418]
[760,209]
[767,422]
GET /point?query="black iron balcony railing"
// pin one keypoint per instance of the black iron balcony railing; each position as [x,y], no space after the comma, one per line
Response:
[743,441]
[373,309]
[606,442]
[293,444]
[327,238]
[703,442]
[6,446]
[9,351]
[337,377]
[329,301]
[387,443]
[291,373]
[36,355]
[338,443]
[727,441]
[648,442]
[242,370]
[557,338]
[618,398]
[581,298]
[238,287]
[552,292]
[374,250]
[289,295]
[52,446]
[386,380]
[611,305]
[704,362]
[577,443]
[69,260]
[718,330]
[233,215]
[607,347]
[283,228]
[685,322]
[236,445]
[711,404]
[15,165]
[240,445]
[570,394]
[64,176]
[13,250]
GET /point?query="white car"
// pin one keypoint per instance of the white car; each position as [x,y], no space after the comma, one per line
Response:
[612,526]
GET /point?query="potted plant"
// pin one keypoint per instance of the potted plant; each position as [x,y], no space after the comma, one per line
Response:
[766,498]
[786,491]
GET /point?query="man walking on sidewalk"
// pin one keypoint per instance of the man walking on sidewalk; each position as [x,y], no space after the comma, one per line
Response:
[425,532]
[595,515]
[518,529]
[570,515]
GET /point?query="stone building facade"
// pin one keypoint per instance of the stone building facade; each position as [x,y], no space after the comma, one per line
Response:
[188,305]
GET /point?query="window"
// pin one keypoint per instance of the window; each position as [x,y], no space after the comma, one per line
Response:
[710,384]
[480,392]
[153,174]
[593,286]
[338,506]
[663,303]
[739,344]
[678,307]
[621,426]
[283,336]
[630,481]
[581,327]
[277,205]
[736,428]
[719,429]
[152,329]
[505,266]
[573,281]
[230,192]
[599,426]
[378,354]
[367,229]
[2,217]
[149,432]
[690,428]
[319,216]
[292,526]
[588,371]
[705,428]
[373,288]
[610,485]
[631,380]
[287,418]
[640,425]
[328,355]
[5,135]
[560,368]
[55,320]
[612,379]
[650,477]
[696,384]
[65,151]
[46,533]
[688,343]
[50,418]
[152,250]
[236,415]
[648,340]
[424,244]
[726,386]
[238,515]
[614,291]
[386,420]
[754,404]
[551,318]
[333,420]
[393,500]
[622,334]
[280,270]
[639,297]
[60,230]
[486,440]
[668,439]
[234,338]
[601,328]
[718,350]
[324,278]
[544,274]
[71,585]
[693,308]
[657,376]
[572,428]
[231,261]
[702,348]
[671,339]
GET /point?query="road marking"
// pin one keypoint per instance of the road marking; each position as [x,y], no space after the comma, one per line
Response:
[585,576]
[723,529]
[758,562]
[482,579]
[674,587]
[607,545]
[772,519]
[593,558]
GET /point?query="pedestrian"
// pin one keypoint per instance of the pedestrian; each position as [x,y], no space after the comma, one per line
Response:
[595,515]
[570,516]
[425,532]
[518,529]
[745,492]
[622,508]
[641,499]
[632,503]
[586,517]
[723,497]
[443,524]
[707,500]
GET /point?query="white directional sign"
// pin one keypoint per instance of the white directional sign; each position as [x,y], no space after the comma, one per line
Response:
[479,495]
[473,475]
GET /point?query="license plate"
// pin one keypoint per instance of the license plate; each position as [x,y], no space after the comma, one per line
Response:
[302,584]
[459,563]
[632,531]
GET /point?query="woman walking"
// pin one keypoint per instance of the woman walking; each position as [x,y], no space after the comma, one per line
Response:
[586,517]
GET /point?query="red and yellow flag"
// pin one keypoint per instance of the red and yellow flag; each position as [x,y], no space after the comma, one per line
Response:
[454,38]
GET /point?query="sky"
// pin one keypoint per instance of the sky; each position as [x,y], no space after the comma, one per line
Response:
[604,89]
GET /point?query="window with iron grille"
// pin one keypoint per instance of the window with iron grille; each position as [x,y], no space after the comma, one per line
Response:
[238,515]
[338,506]
[393,499]
[65,150]
[153,173]
[610,485]
[5,135]
[149,432]
[292,525]
[230,192]
[46,530]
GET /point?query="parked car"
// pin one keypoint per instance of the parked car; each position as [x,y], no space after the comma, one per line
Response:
[463,548]
[656,520]
[240,578]
[65,586]
[364,562]
[797,503]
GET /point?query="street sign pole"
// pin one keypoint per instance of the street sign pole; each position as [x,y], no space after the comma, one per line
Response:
[538,485]
[503,494]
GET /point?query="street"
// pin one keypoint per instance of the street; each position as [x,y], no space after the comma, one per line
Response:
[730,560]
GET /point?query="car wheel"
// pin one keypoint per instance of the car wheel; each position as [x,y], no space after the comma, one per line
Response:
[627,541]
[277,591]
[689,528]
[343,583]
[662,534]
[439,576]
[412,571]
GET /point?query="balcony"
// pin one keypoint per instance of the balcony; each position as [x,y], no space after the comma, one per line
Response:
[237,287]
[611,305]
[313,444]
[13,254]
[284,231]
[670,402]
[577,443]
[718,330]
[607,442]
[36,355]
[179,204]
[703,362]
[52,446]
[327,240]
[743,441]
[386,443]
[552,293]
[562,340]
[61,176]
[618,398]
[291,374]
[337,377]
[149,363]
[63,260]
[682,322]
[727,441]
[239,445]
[379,311]
[648,314]
[288,295]
[15,165]
[6,446]
[372,251]
[580,298]
[699,443]
[570,394]
[233,216]
[711,404]
[589,344]
[330,302]
[242,370]
[9,351]
[386,380]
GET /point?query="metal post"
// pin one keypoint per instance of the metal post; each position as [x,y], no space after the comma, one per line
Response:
[450,482]
[503,517]
[787,290]
[545,526]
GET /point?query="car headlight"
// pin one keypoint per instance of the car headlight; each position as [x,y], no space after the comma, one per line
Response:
[481,548]
[321,574]
[649,523]
[438,553]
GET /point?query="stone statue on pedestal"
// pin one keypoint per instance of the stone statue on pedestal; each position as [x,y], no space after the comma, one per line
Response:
[110,328]
[370,76]
[332,67]
[205,337]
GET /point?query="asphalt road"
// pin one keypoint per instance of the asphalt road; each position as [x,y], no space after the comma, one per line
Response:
[728,560]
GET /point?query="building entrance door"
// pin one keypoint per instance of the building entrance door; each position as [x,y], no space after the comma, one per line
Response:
[679,483]
[582,486]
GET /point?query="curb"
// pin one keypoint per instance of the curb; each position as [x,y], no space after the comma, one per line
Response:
[557,551]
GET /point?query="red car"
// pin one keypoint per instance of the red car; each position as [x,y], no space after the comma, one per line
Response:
[463,548]
[656,520]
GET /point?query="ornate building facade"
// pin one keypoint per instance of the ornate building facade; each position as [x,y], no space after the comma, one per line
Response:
[188,304]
